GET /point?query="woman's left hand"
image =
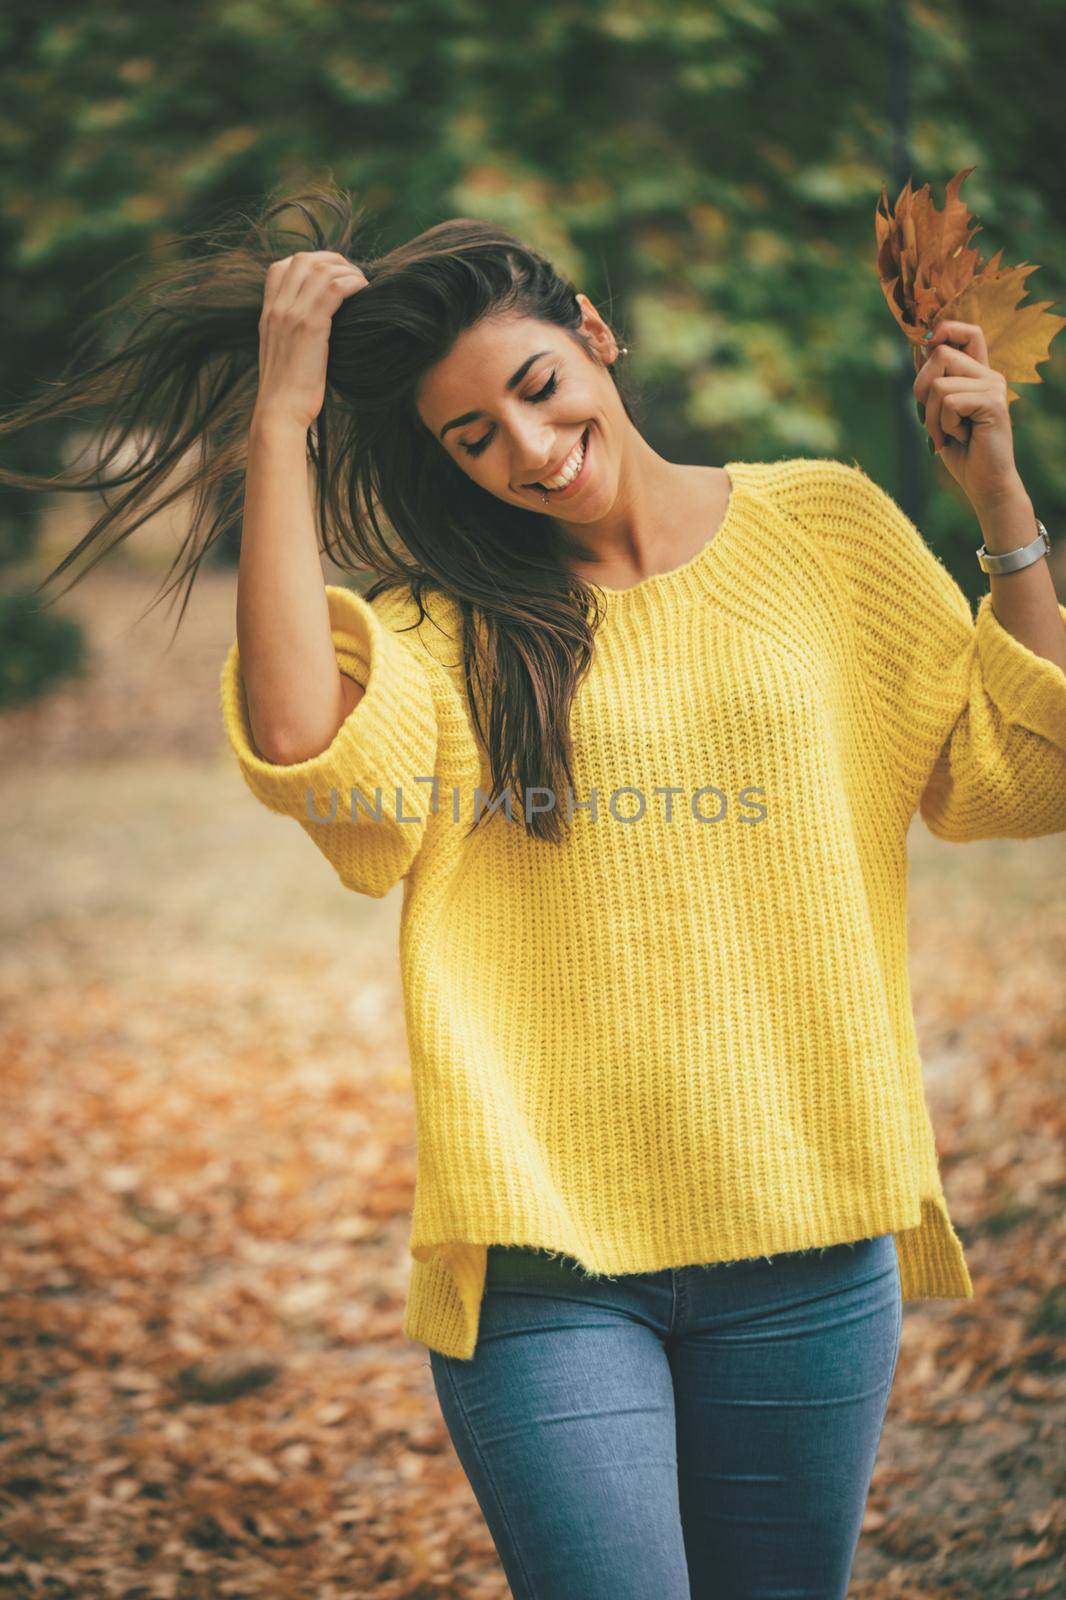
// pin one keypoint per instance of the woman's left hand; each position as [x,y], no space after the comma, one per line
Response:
[967,415]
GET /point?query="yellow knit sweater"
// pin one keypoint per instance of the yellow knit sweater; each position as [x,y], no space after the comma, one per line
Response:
[685,1035]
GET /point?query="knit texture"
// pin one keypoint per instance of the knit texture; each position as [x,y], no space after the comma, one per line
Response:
[685,1035]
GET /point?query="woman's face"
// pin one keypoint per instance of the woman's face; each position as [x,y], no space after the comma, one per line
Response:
[513,398]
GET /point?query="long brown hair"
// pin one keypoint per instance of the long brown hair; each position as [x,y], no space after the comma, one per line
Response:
[175,398]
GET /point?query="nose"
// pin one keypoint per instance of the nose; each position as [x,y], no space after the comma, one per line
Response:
[533,452]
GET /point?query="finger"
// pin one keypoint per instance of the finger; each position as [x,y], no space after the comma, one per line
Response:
[305,272]
[323,289]
[935,420]
[275,277]
[952,428]
[966,409]
[297,268]
[946,359]
[341,287]
[943,418]
[967,336]
[281,285]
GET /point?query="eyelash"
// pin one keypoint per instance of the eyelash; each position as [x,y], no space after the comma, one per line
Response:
[542,394]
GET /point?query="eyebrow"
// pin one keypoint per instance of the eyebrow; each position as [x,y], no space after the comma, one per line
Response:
[512,383]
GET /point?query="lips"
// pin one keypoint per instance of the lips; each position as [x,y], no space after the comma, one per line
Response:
[554,473]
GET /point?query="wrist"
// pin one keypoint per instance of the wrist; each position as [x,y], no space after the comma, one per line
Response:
[1008,522]
[273,424]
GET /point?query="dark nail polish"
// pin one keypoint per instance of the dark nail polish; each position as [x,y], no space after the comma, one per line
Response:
[930,446]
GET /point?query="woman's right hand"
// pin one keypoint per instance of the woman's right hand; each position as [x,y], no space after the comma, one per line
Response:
[302,293]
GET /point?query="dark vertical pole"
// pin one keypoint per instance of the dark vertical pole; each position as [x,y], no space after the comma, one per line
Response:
[908,433]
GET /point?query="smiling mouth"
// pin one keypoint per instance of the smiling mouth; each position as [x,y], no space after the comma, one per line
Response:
[584,443]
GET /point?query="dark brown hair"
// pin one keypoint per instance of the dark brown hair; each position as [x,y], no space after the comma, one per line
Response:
[175,396]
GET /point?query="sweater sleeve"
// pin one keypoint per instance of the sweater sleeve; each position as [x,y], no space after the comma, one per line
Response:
[974,722]
[386,744]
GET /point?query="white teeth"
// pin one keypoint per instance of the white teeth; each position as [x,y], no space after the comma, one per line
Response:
[575,462]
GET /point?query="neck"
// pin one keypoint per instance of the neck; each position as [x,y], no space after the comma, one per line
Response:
[645,526]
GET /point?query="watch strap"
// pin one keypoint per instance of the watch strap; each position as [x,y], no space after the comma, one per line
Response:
[1014,560]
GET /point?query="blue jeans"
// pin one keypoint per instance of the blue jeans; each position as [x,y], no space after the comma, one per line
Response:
[700,1433]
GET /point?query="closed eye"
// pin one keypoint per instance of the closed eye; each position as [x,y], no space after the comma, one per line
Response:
[541,394]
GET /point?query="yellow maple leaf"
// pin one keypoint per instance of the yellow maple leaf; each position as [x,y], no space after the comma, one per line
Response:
[929,272]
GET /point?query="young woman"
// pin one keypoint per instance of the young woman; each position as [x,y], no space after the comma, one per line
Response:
[642,741]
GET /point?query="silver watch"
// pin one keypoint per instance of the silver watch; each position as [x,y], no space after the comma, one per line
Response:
[1014,560]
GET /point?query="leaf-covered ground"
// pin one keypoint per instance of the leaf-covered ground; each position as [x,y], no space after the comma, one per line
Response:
[207,1165]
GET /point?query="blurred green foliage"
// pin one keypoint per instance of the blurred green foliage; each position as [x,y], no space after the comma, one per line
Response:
[40,648]
[708,172]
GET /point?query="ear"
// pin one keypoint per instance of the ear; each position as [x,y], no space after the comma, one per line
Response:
[594,328]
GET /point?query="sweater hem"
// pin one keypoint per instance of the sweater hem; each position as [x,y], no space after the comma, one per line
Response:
[448,1277]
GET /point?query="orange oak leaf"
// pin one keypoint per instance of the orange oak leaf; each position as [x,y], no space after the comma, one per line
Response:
[929,272]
